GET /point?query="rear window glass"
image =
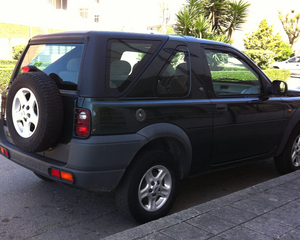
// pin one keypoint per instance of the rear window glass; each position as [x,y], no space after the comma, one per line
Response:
[60,61]
[125,59]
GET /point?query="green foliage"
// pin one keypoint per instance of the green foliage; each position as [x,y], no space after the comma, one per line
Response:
[264,39]
[291,26]
[211,19]
[185,21]
[262,58]
[5,75]
[285,52]
[6,70]
[17,51]
[238,13]
[10,62]
[234,75]
[278,74]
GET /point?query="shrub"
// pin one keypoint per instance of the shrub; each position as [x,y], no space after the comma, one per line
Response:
[263,58]
[273,74]
[17,51]
[5,75]
[285,52]
[6,62]
[278,74]
[234,75]
[6,69]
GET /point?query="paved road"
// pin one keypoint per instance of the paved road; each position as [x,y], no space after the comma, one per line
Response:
[34,209]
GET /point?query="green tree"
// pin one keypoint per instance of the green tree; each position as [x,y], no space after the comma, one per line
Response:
[264,46]
[185,21]
[17,51]
[212,19]
[216,12]
[264,39]
[238,13]
[285,52]
[291,26]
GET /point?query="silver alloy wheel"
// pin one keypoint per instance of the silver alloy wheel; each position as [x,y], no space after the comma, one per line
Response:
[155,188]
[25,112]
[296,152]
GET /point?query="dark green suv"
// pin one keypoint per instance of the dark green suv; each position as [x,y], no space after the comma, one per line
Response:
[136,113]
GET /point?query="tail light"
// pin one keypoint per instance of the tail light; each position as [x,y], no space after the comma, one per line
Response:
[82,126]
[65,176]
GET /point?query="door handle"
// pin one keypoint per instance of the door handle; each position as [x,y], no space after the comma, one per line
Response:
[222,107]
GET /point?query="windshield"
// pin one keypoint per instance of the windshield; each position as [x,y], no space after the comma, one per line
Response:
[60,61]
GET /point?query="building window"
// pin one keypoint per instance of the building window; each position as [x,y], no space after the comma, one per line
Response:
[97,18]
[52,2]
[83,12]
[59,4]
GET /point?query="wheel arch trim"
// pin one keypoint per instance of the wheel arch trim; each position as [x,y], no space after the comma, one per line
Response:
[167,130]
[290,127]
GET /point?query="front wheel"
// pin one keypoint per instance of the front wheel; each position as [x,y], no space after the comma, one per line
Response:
[149,188]
[289,160]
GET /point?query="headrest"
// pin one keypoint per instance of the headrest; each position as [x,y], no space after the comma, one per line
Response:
[73,65]
[120,67]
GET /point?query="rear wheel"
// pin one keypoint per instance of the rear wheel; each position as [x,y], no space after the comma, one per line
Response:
[149,188]
[289,160]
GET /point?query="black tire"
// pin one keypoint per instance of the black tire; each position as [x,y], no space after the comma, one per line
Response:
[34,112]
[161,189]
[43,178]
[289,160]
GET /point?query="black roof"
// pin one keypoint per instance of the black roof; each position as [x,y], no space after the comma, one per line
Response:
[81,36]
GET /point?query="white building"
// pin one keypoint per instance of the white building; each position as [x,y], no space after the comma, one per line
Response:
[66,15]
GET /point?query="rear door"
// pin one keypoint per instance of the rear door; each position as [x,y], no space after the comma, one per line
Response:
[247,122]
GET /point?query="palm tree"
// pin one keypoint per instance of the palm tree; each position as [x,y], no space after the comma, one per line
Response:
[185,18]
[223,16]
[201,27]
[215,12]
[238,13]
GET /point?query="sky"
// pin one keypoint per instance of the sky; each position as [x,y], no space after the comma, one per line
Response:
[136,15]
[266,9]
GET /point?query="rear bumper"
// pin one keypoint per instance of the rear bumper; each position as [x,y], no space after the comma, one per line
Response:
[97,163]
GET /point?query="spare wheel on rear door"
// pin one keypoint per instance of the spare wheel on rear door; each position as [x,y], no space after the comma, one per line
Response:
[34,112]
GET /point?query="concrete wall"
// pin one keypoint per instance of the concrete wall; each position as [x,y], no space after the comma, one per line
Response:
[6,45]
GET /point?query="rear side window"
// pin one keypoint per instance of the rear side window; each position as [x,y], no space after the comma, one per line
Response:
[125,59]
[60,61]
[174,79]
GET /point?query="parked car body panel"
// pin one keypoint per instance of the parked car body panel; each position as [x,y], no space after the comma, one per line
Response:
[292,63]
[210,129]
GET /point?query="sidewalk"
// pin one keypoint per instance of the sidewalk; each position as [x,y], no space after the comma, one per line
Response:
[270,210]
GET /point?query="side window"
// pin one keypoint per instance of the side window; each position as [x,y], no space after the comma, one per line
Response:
[174,79]
[230,75]
[125,58]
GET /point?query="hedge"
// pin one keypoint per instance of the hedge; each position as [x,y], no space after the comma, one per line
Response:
[4,78]
[7,62]
[233,75]
[278,74]
[273,74]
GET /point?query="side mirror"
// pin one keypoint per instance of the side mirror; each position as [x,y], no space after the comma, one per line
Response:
[279,87]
